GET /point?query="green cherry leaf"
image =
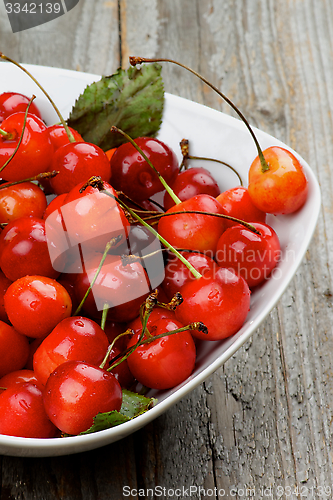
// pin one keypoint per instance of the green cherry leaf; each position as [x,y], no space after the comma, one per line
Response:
[135,404]
[131,100]
[132,406]
[107,420]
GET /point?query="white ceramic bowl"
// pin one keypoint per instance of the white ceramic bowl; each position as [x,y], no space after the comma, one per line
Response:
[212,134]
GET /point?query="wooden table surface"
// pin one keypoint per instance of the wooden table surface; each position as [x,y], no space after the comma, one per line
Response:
[261,426]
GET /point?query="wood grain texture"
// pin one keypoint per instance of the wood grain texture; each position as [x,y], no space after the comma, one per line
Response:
[264,419]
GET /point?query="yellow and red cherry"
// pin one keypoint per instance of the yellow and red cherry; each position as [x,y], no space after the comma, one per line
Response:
[277,182]
[282,187]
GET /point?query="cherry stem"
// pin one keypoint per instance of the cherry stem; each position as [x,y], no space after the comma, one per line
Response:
[210,214]
[139,60]
[128,259]
[104,315]
[204,158]
[139,208]
[184,146]
[6,135]
[195,273]
[21,136]
[64,124]
[145,311]
[97,182]
[176,300]
[38,177]
[106,357]
[166,186]
[109,245]
[198,325]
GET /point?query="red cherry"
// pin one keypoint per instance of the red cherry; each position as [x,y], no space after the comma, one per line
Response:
[138,241]
[17,377]
[219,299]
[36,304]
[145,205]
[22,412]
[283,188]
[109,153]
[165,362]
[4,284]
[34,153]
[162,297]
[177,274]
[81,224]
[191,182]
[33,346]
[236,202]
[21,200]
[112,329]
[121,372]
[59,137]
[14,349]
[193,231]
[24,250]
[76,392]
[76,162]
[156,314]
[13,102]
[68,282]
[56,235]
[120,286]
[251,255]
[76,338]
[55,204]
[92,217]
[133,175]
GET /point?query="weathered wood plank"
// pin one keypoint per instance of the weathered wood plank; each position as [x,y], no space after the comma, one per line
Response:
[84,39]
